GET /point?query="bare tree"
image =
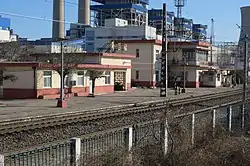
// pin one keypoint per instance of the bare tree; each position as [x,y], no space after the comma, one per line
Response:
[71,61]
[13,52]
[93,75]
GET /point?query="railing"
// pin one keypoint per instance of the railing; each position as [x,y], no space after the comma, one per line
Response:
[90,149]
[54,154]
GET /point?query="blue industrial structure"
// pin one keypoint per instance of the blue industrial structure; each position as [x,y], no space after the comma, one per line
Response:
[135,12]
[199,32]
[155,20]
[4,23]
[183,28]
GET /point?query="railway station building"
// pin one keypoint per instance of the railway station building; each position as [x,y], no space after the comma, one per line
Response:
[146,66]
[40,79]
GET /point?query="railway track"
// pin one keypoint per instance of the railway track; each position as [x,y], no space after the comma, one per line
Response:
[31,123]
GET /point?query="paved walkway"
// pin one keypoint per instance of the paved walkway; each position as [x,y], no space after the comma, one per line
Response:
[36,107]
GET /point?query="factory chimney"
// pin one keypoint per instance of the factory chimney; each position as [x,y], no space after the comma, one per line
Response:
[58,20]
[84,12]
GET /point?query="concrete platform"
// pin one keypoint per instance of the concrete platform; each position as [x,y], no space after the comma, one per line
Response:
[36,107]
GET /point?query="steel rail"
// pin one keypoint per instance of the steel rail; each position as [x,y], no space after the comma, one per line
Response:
[48,121]
[104,132]
[103,112]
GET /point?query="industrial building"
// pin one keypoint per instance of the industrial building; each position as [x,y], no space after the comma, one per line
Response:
[183,28]
[155,20]
[47,45]
[98,38]
[135,12]
[6,33]
[199,32]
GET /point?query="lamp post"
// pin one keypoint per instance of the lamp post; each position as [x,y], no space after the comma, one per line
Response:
[61,102]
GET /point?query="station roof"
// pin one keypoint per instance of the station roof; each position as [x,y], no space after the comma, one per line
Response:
[114,55]
[52,66]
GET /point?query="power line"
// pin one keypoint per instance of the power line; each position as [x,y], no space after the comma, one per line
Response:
[37,18]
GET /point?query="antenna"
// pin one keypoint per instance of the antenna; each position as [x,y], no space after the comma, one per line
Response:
[179,4]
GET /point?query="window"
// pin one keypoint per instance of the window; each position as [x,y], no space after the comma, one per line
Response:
[47,78]
[80,78]
[137,75]
[137,53]
[107,77]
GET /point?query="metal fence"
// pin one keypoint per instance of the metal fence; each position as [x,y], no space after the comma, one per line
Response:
[109,146]
[55,154]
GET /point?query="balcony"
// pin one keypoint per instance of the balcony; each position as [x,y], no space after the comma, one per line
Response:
[188,62]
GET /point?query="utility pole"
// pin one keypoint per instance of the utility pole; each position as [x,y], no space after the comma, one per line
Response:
[211,40]
[164,72]
[61,102]
[184,73]
[245,81]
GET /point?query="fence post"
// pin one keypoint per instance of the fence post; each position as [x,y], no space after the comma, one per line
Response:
[128,138]
[229,118]
[1,160]
[214,120]
[192,129]
[75,151]
[164,136]
[243,108]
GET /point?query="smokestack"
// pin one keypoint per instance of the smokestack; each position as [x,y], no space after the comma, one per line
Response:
[58,17]
[84,12]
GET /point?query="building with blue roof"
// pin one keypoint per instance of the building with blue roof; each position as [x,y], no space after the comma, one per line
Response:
[4,23]
[199,32]
[135,12]
[155,19]
[183,28]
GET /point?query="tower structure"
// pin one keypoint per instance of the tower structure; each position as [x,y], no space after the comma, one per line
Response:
[245,21]
[84,12]
[155,20]
[58,29]
[245,26]
[179,4]
[135,12]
